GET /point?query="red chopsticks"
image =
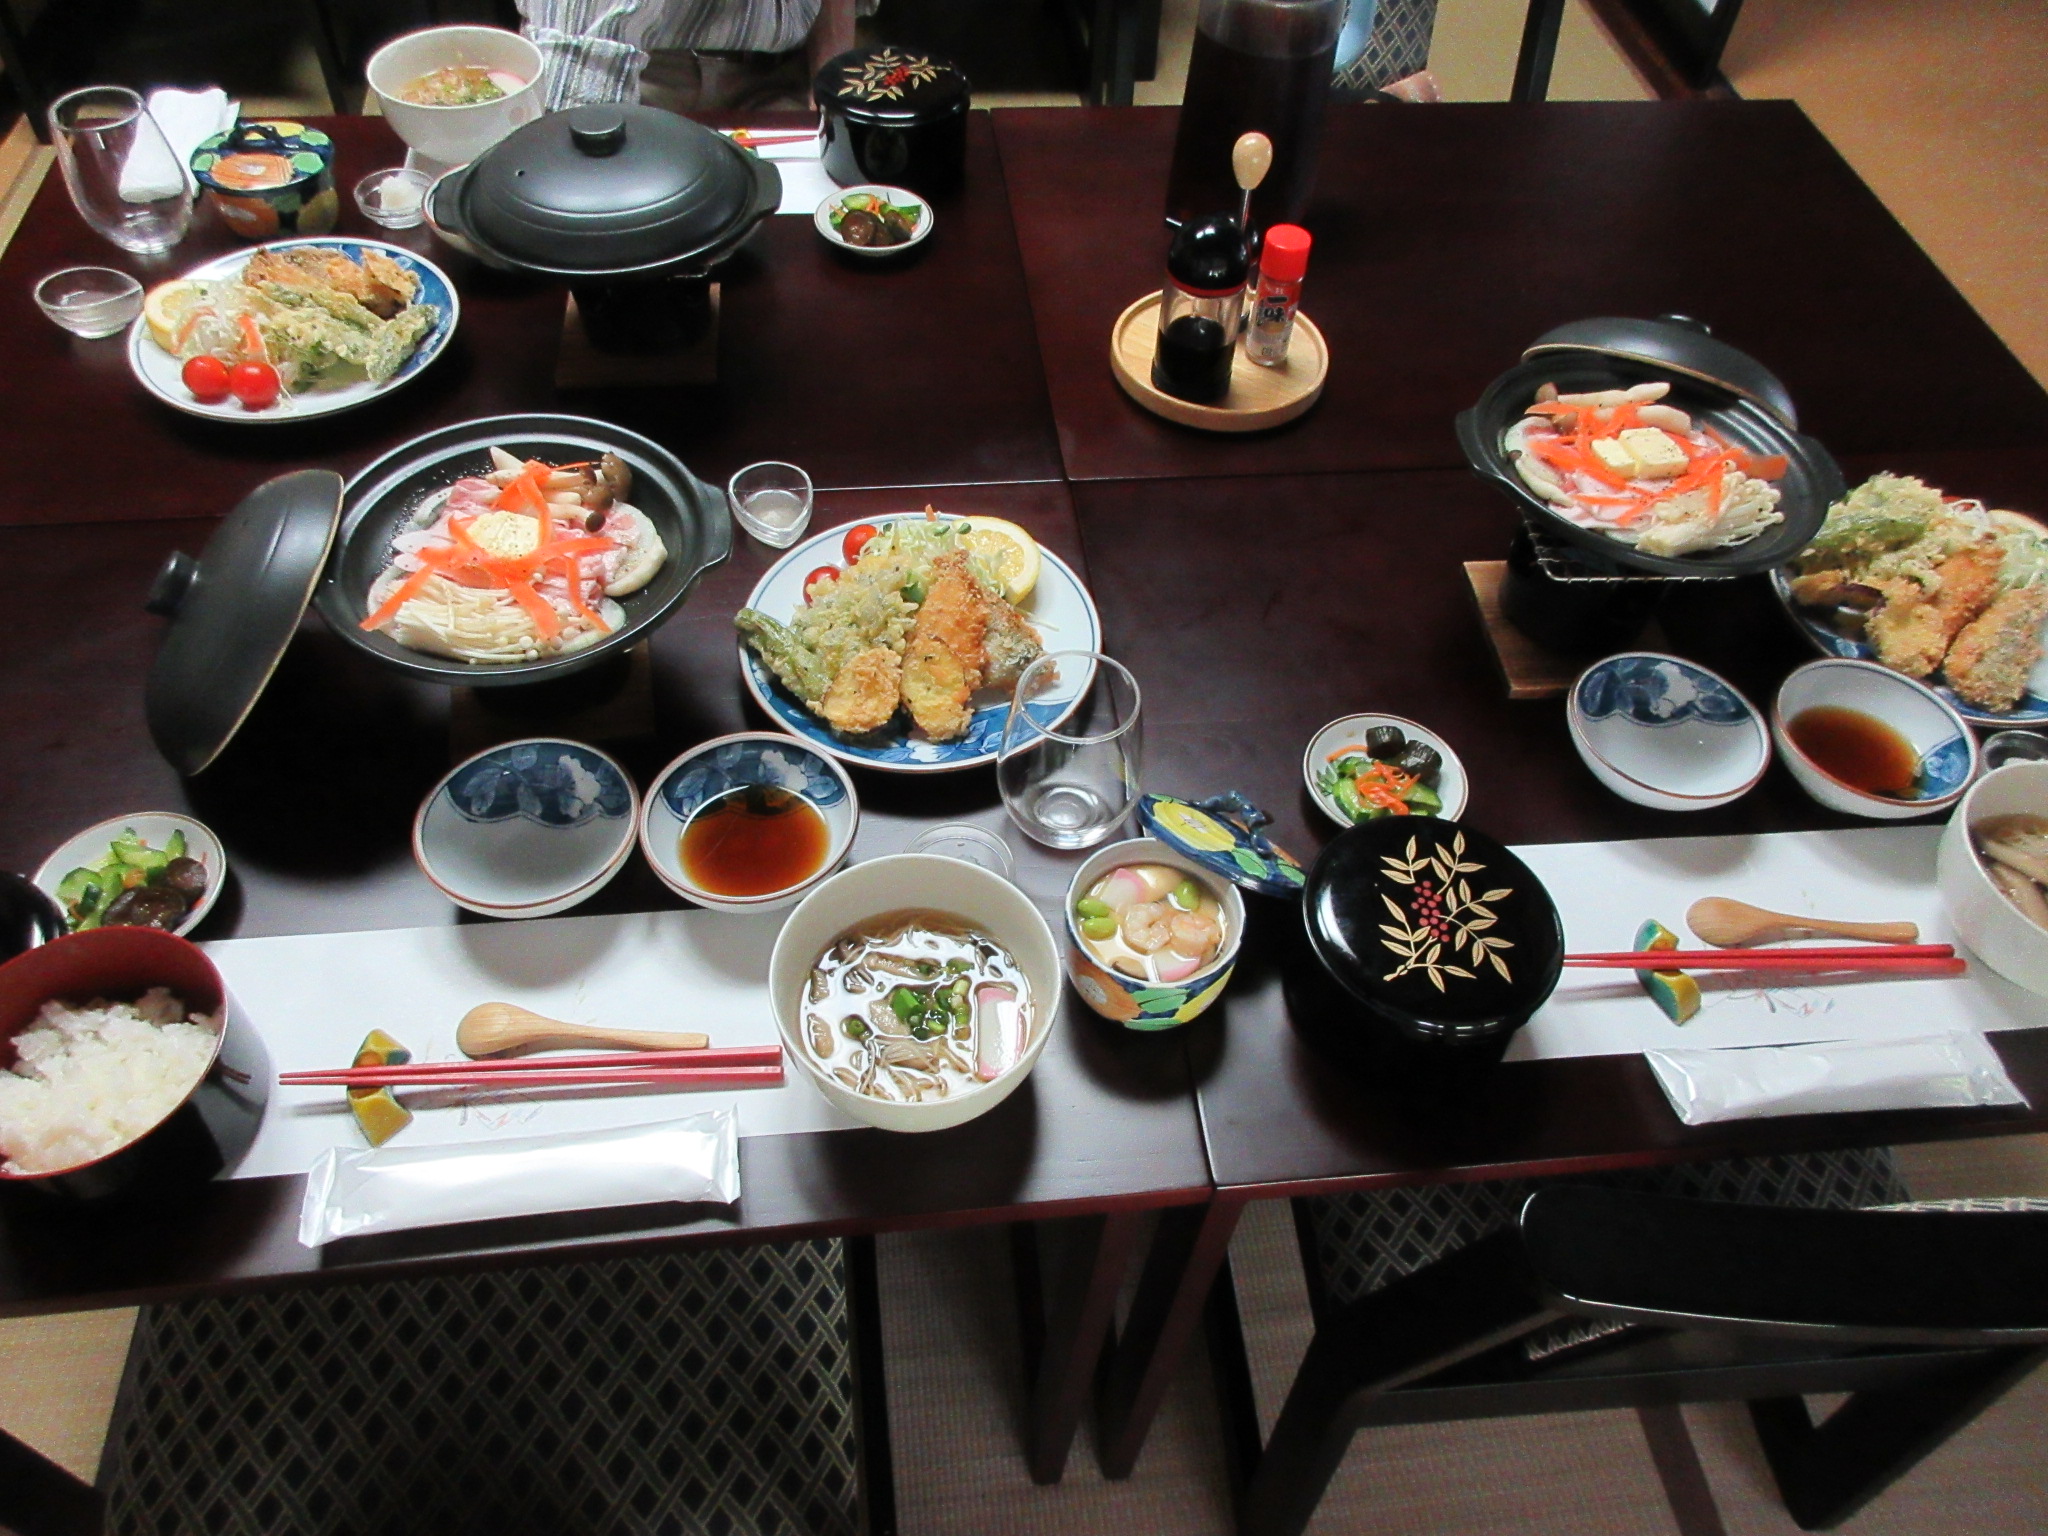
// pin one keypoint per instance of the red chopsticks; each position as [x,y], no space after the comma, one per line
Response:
[737,1066]
[1911,959]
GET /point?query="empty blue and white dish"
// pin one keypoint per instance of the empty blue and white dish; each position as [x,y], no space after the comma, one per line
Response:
[1667,733]
[748,760]
[527,829]
[1932,727]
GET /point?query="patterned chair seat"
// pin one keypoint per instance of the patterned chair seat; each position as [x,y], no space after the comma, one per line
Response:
[713,1390]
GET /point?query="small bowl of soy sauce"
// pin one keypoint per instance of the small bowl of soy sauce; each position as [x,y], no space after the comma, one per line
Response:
[748,822]
[1868,741]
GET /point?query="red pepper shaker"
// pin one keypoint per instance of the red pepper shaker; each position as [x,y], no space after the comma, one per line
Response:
[1282,265]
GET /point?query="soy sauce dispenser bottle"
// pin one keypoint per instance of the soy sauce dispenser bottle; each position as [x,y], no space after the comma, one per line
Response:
[1201,309]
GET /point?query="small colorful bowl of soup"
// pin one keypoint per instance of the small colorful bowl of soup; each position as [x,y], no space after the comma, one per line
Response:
[1151,936]
[915,991]
[748,822]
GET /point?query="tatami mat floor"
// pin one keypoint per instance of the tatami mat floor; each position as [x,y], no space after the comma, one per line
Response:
[1937,104]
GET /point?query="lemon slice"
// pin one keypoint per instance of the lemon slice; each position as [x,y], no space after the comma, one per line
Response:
[166,308]
[1010,552]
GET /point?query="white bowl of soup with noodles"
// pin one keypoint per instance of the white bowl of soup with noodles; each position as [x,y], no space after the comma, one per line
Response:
[915,991]
[453,92]
[1152,937]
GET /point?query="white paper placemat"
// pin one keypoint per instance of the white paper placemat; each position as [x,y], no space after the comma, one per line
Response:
[1604,890]
[313,997]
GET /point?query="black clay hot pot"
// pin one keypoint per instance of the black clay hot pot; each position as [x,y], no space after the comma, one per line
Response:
[1435,945]
[214,1124]
[1721,387]
[631,206]
[690,516]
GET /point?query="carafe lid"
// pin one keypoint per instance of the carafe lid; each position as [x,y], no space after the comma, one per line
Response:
[1209,257]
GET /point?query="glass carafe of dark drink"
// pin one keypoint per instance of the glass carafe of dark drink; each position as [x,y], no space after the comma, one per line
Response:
[1201,309]
[1258,66]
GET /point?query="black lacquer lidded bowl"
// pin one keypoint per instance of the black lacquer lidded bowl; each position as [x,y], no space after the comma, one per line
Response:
[897,116]
[1439,939]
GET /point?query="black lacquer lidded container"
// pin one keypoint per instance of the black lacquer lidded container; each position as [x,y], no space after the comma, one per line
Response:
[1440,942]
[897,116]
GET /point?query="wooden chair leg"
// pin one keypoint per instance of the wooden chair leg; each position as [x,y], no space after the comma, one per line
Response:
[327,46]
[1230,1368]
[1064,1338]
[864,1305]
[1307,1447]
[1539,50]
[1827,1472]
[1480,1297]
[40,1498]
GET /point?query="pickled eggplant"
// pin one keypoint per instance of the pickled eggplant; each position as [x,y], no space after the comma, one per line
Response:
[1382,742]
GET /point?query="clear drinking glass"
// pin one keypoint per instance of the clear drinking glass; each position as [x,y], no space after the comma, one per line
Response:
[1069,782]
[772,502]
[119,168]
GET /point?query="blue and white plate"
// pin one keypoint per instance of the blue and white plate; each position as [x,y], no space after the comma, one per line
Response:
[2032,708]
[1059,608]
[1665,732]
[527,829]
[161,373]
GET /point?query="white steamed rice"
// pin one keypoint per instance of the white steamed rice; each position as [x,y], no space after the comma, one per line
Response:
[92,1079]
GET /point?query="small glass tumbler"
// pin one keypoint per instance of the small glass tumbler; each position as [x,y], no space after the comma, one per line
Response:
[90,301]
[119,169]
[1068,764]
[772,502]
[395,198]
[970,845]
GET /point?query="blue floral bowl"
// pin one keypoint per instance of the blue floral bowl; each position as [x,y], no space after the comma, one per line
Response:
[744,761]
[1665,732]
[527,829]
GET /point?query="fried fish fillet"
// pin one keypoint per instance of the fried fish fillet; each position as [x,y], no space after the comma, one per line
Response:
[863,694]
[379,284]
[1913,630]
[1012,645]
[946,656]
[1995,654]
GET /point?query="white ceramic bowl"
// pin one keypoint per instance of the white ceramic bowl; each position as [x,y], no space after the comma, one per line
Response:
[154,828]
[889,885]
[1665,732]
[726,763]
[1130,1002]
[897,197]
[1949,757]
[526,829]
[1452,787]
[1981,916]
[452,136]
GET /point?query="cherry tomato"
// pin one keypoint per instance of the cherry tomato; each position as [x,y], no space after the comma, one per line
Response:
[856,540]
[207,377]
[254,384]
[819,574]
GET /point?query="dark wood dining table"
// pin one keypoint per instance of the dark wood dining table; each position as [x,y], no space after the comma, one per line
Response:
[1258,586]
[314,798]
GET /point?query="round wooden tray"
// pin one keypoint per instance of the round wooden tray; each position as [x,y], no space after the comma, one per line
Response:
[1258,397]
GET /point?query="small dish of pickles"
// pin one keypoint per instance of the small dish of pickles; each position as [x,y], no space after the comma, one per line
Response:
[1366,767]
[874,220]
[151,869]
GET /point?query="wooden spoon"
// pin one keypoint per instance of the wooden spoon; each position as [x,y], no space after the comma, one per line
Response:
[1250,158]
[1736,924]
[498,1029]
